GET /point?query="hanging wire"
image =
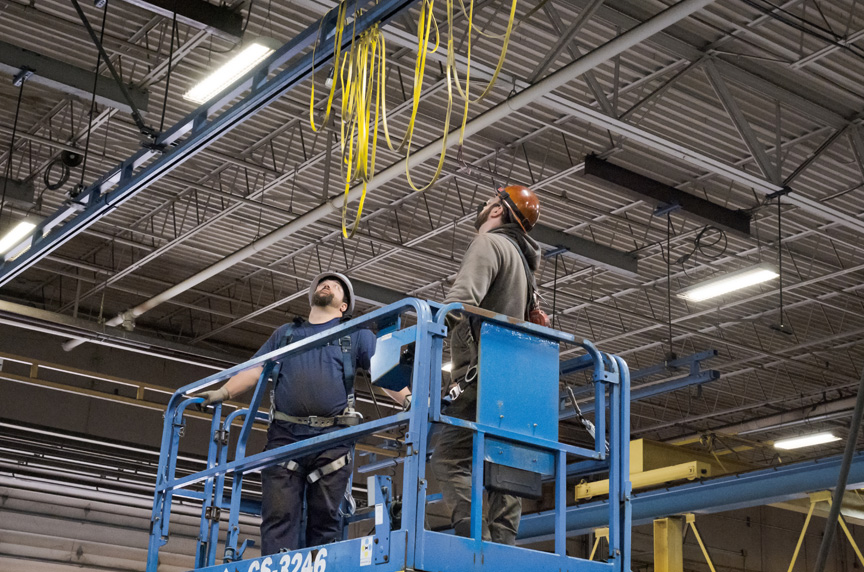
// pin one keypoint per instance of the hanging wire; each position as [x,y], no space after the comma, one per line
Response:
[170,67]
[248,15]
[669,280]
[702,246]
[780,254]
[555,295]
[93,100]
[8,170]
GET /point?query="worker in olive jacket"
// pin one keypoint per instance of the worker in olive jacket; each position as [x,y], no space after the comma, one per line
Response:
[493,277]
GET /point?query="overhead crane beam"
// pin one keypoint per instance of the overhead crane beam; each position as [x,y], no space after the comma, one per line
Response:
[587,251]
[217,20]
[639,187]
[67,78]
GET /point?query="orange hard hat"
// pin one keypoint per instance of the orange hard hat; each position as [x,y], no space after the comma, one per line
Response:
[522,203]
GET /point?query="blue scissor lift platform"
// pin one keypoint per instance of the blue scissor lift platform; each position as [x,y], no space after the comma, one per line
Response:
[516,426]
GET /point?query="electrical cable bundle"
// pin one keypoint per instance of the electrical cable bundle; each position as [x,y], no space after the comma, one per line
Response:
[362,75]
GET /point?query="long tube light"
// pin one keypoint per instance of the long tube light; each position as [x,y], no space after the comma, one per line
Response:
[16,235]
[729,283]
[232,70]
[806,441]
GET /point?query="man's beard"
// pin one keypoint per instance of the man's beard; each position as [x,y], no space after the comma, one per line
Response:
[482,216]
[322,299]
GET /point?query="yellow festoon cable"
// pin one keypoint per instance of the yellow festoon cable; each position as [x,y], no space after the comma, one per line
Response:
[360,91]
[362,87]
[337,48]
[425,25]
[466,92]
[417,87]
[452,76]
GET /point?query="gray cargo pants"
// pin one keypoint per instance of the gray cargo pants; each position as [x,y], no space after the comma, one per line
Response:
[451,465]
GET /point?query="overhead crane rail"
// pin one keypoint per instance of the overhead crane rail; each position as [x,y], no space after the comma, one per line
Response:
[516,427]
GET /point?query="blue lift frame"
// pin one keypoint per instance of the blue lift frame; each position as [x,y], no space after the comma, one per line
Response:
[411,546]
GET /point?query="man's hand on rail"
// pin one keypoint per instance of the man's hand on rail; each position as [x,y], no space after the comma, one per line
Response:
[215,396]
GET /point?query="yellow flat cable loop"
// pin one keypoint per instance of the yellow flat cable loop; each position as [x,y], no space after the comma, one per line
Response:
[337,48]
[425,24]
[450,68]
[361,126]
[524,18]
[367,55]
[498,67]
[424,27]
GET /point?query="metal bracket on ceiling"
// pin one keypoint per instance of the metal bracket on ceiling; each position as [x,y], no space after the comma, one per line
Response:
[777,194]
[23,75]
[553,252]
[665,209]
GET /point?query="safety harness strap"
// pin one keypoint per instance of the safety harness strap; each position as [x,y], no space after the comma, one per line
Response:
[317,474]
[291,466]
[532,280]
[312,421]
[347,369]
[329,468]
[287,337]
[351,417]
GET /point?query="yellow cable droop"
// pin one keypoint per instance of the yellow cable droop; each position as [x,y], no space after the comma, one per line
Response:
[425,24]
[418,77]
[337,50]
[362,76]
[362,89]
[466,92]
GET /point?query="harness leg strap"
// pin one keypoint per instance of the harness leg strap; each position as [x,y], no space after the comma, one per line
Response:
[292,466]
[329,468]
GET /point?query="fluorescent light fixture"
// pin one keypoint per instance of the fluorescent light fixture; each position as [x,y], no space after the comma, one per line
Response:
[16,235]
[447,366]
[729,283]
[806,441]
[250,56]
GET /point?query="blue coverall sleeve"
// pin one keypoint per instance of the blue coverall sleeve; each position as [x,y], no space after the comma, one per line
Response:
[365,348]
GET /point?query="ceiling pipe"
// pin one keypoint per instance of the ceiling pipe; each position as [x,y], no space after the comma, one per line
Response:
[552,82]
[777,420]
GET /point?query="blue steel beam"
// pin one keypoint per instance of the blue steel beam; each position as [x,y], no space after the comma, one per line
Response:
[575,364]
[646,392]
[692,362]
[171,150]
[733,492]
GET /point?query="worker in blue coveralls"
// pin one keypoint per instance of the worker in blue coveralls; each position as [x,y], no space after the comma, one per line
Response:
[313,395]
